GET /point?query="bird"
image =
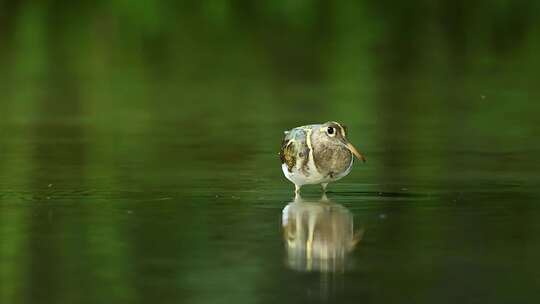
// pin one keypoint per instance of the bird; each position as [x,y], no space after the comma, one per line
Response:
[317,154]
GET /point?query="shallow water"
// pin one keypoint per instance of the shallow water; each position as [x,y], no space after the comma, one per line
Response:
[135,169]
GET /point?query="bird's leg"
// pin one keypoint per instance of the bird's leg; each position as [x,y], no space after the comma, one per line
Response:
[323,186]
[297,189]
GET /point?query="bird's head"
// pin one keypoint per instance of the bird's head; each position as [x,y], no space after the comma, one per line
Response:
[337,134]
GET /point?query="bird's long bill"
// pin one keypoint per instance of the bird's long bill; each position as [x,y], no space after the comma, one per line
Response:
[355,152]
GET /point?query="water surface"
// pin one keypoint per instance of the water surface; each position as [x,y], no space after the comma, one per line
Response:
[139,154]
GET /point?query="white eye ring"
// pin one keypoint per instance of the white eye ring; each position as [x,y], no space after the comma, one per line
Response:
[331,131]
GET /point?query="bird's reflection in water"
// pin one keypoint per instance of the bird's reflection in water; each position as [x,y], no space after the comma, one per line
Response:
[318,235]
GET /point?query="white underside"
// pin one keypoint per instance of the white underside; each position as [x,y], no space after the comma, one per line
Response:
[299,178]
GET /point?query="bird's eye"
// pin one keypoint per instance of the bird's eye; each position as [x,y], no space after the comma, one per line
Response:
[330,131]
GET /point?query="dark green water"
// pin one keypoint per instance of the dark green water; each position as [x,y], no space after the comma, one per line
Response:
[138,152]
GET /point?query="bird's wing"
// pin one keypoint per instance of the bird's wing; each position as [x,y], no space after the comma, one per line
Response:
[293,148]
[287,154]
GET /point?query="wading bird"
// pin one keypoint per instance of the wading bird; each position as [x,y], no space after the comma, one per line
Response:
[317,154]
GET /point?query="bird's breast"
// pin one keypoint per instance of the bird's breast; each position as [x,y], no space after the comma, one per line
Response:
[332,160]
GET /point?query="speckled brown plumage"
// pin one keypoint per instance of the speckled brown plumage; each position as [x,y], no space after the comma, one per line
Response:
[331,159]
[294,149]
[287,154]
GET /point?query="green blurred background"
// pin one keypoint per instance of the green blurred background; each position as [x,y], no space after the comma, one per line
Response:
[139,140]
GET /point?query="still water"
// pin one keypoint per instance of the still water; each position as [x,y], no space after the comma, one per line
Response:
[139,155]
